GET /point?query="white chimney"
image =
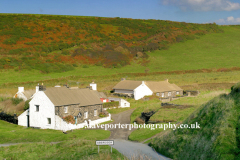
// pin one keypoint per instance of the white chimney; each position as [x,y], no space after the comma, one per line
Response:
[20,89]
[94,86]
[167,80]
[37,89]
[142,82]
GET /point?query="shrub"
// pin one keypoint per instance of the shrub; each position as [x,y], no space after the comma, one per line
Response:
[111,104]
[103,114]
[139,121]
[85,66]
[69,119]
[26,106]
[16,101]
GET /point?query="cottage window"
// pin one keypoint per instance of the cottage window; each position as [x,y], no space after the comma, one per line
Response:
[125,104]
[65,109]
[85,115]
[37,108]
[157,94]
[169,93]
[177,93]
[49,120]
[162,94]
[79,115]
[95,112]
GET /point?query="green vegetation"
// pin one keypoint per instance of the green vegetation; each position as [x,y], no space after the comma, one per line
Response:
[172,114]
[141,134]
[16,101]
[11,133]
[72,149]
[110,104]
[26,105]
[42,41]
[218,136]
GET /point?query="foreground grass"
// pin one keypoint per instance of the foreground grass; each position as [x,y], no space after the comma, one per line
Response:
[141,134]
[72,149]
[12,133]
[217,137]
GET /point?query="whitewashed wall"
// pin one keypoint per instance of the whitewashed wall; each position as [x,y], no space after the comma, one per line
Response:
[22,119]
[142,91]
[100,120]
[46,110]
[60,124]
[20,95]
[123,103]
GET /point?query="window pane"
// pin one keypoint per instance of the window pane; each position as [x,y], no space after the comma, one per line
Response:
[49,120]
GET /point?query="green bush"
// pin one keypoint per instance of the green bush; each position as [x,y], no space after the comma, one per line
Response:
[26,106]
[85,66]
[16,101]
[111,104]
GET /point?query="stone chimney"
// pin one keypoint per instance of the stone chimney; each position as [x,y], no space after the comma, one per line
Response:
[20,89]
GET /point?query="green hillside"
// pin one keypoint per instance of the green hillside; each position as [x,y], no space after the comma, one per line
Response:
[63,42]
[217,138]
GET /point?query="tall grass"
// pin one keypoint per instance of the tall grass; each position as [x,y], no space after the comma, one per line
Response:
[217,137]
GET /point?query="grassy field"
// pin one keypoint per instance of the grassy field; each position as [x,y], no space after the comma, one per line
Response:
[76,144]
[72,149]
[141,134]
[174,115]
[12,133]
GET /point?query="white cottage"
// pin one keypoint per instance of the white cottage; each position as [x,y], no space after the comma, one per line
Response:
[25,94]
[49,107]
[139,89]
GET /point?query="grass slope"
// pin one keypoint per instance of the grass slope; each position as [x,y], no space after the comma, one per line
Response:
[217,138]
[11,133]
[57,43]
[210,51]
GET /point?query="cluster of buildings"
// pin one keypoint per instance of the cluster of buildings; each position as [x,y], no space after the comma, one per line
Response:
[48,106]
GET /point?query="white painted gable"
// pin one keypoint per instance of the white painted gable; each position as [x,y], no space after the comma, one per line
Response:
[141,91]
[46,110]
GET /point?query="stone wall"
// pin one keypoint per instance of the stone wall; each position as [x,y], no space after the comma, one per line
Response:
[78,112]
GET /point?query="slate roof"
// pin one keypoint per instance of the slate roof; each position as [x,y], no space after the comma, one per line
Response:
[127,84]
[161,86]
[61,96]
[29,93]
[100,94]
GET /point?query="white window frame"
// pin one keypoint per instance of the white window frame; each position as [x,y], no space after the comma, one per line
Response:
[37,108]
[177,93]
[85,115]
[162,94]
[157,94]
[49,122]
[65,109]
[95,112]
[169,93]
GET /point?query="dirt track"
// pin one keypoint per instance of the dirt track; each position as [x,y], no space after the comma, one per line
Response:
[122,118]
